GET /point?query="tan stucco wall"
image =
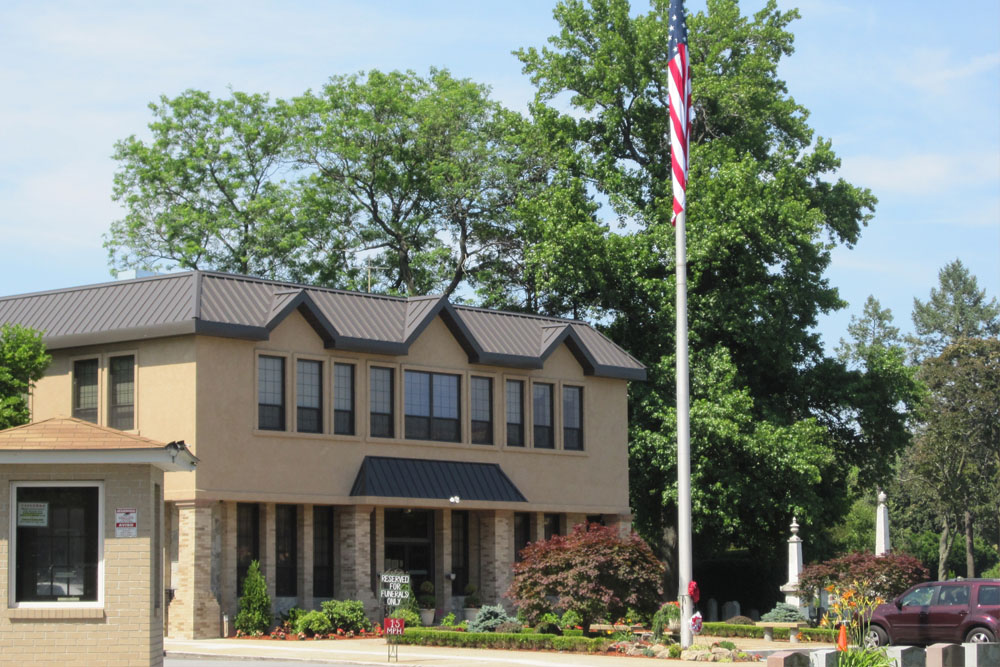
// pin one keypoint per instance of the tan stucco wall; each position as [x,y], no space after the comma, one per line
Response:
[126,629]
[242,463]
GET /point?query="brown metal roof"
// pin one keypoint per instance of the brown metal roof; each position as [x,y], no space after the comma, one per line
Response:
[199,302]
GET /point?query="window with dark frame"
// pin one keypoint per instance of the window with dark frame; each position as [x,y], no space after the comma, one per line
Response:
[459,551]
[56,548]
[286,553]
[542,415]
[551,527]
[85,390]
[247,540]
[515,413]
[432,406]
[309,396]
[380,403]
[343,399]
[481,410]
[572,418]
[322,551]
[121,392]
[271,393]
[522,533]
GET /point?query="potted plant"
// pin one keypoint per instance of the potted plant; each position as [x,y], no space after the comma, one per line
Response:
[427,601]
[472,603]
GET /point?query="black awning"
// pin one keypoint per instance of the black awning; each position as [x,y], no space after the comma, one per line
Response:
[422,478]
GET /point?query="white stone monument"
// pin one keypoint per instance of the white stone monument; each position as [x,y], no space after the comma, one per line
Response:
[791,589]
[882,526]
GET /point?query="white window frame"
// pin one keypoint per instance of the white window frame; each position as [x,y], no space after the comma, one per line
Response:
[12,551]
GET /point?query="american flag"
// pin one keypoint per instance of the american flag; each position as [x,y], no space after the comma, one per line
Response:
[679,86]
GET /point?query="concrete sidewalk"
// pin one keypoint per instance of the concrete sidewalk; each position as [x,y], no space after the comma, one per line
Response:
[373,652]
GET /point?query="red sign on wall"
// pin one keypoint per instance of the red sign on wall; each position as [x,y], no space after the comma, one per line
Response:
[394,626]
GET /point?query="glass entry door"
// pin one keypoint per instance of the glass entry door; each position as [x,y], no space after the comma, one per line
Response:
[409,544]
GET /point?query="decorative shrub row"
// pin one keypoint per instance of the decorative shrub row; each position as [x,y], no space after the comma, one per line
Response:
[730,630]
[502,640]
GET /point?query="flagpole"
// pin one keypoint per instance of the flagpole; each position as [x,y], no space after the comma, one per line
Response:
[684,565]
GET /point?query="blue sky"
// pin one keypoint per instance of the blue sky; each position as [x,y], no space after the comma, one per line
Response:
[909,95]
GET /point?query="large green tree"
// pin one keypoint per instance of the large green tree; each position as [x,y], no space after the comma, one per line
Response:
[23,361]
[957,309]
[764,212]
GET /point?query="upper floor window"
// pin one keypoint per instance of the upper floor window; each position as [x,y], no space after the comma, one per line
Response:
[309,396]
[481,407]
[432,406]
[343,399]
[542,413]
[380,402]
[121,395]
[271,393]
[515,413]
[572,418]
[85,390]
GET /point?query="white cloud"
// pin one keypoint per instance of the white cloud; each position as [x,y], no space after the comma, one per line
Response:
[922,173]
[930,69]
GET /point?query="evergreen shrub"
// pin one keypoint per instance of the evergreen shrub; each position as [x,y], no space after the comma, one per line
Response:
[783,613]
[254,616]
[347,615]
[489,618]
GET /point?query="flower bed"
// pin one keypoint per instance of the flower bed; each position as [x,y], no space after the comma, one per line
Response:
[502,640]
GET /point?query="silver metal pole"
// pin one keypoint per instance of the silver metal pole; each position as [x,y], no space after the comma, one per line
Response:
[684,569]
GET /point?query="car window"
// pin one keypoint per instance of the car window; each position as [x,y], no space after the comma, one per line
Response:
[989,595]
[919,597]
[954,595]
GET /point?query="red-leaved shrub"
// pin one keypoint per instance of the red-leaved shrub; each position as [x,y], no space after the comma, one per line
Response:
[885,576]
[592,571]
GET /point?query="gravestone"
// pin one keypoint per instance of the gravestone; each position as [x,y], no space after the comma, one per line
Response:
[712,610]
[730,609]
[982,655]
[882,546]
[907,656]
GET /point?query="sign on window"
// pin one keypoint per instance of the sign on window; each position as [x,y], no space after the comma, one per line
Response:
[32,515]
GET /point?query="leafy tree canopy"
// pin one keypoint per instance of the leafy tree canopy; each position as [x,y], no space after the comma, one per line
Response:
[956,309]
[23,361]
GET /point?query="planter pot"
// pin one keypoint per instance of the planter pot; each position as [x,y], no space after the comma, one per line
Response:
[674,626]
[427,617]
[471,613]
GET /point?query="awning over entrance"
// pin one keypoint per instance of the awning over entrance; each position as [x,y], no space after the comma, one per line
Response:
[423,478]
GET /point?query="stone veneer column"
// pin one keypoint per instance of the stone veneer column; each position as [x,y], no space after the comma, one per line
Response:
[497,555]
[442,560]
[537,527]
[379,540]
[305,560]
[194,611]
[268,566]
[573,519]
[355,555]
[230,596]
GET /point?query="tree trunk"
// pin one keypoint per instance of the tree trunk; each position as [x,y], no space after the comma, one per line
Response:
[970,552]
[944,547]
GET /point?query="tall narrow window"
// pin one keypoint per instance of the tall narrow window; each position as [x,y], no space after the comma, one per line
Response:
[481,399]
[121,395]
[271,393]
[515,413]
[522,533]
[432,406]
[85,390]
[247,540]
[459,551]
[343,399]
[322,551]
[551,525]
[572,418]
[542,415]
[380,403]
[309,396]
[56,553]
[286,554]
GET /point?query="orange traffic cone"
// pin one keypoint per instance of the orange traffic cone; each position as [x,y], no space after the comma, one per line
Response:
[842,639]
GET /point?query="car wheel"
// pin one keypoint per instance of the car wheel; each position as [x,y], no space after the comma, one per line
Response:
[876,637]
[979,636]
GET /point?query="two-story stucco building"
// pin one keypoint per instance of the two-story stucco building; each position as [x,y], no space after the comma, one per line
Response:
[341,434]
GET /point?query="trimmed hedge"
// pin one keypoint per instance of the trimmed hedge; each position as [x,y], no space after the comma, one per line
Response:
[502,640]
[729,630]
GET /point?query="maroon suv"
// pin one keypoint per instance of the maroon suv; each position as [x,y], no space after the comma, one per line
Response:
[954,611]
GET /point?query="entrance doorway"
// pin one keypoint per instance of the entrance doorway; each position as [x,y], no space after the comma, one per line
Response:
[409,544]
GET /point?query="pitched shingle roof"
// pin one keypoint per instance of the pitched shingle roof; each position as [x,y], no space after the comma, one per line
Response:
[68,440]
[218,304]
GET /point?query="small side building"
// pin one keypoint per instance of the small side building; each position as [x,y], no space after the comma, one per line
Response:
[81,543]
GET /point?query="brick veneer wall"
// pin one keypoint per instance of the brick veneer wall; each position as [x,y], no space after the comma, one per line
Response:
[127,630]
